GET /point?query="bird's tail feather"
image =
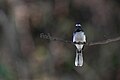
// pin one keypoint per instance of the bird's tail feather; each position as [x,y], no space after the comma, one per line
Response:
[78,58]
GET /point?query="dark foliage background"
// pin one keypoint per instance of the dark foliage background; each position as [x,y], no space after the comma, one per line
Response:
[26,56]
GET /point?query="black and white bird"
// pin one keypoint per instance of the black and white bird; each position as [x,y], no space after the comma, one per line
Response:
[79,37]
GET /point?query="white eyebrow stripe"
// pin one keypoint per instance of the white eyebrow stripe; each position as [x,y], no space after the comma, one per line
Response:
[78,25]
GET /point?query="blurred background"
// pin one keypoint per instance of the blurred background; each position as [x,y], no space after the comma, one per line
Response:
[26,56]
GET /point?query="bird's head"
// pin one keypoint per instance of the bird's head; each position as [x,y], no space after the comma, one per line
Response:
[78,27]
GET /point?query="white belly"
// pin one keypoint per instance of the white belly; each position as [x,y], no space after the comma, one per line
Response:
[79,46]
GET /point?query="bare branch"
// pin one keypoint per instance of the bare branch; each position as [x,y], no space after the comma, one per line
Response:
[104,41]
[47,36]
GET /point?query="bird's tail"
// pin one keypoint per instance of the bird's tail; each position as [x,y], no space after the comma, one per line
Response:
[78,58]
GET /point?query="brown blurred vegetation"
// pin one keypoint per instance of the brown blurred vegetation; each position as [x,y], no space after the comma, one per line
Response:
[25,56]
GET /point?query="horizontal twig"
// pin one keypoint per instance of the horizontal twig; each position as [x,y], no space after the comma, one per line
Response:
[47,36]
[105,41]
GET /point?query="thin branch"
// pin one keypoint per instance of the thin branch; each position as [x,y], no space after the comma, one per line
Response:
[47,36]
[105,41]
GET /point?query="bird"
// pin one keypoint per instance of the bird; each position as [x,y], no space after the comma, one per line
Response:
[79,37]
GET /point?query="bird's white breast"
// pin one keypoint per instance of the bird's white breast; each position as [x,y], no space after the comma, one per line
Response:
[79,37]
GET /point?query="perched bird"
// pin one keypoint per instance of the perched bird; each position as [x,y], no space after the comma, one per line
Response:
[79,37]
